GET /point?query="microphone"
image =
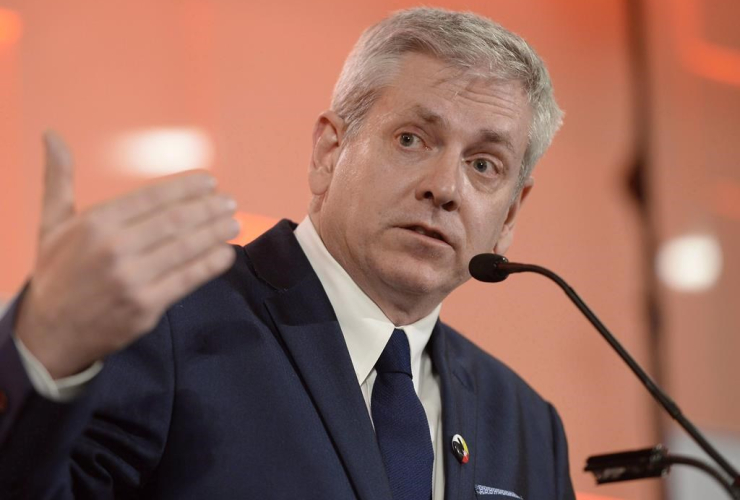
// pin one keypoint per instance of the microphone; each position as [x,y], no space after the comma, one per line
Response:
[487,267]
[493,268]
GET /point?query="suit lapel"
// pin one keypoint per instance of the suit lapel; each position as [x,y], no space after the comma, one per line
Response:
[308,326]
[459,415]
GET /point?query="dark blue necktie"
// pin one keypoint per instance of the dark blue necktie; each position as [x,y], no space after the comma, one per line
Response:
[401,425]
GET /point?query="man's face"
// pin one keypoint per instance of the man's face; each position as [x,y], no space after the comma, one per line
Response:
[428,181]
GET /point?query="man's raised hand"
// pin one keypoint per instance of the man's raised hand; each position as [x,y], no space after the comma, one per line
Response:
[105,276]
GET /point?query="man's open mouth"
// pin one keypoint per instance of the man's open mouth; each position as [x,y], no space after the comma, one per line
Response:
[427,232]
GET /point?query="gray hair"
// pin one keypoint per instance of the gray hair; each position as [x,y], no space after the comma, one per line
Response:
[462,39]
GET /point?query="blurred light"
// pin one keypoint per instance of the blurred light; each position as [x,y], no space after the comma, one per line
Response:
[699,55]
[162,151]
[11,27]
[252,226]
[690,263]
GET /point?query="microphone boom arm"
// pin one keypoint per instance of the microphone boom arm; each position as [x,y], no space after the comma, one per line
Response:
[658,394]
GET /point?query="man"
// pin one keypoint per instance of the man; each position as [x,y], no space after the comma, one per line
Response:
[316,367]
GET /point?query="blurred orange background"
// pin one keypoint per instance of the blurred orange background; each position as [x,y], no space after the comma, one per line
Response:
[141,88]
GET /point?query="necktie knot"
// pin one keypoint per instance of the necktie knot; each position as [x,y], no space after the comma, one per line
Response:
[396,357]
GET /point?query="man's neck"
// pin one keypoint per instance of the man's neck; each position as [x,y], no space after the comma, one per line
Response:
[401,307]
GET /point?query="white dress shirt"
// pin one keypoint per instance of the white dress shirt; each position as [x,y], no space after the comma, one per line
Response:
[366,332]
[61,390]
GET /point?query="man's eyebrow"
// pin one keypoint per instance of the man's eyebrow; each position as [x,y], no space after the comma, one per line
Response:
[485,136]
[496,137]
[428,115]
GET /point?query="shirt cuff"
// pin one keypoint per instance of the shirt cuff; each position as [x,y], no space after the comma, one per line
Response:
[63,390]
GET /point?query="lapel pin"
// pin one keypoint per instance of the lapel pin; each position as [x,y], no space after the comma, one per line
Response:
[460,449]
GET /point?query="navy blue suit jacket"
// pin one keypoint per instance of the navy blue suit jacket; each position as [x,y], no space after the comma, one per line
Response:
[246,390]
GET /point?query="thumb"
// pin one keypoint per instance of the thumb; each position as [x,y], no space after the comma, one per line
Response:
[58,198]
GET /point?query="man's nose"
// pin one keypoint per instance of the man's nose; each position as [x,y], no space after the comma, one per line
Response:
[441,182]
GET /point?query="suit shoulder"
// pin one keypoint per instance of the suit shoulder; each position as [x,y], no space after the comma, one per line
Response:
[270,263]
[519,435]
[486,372]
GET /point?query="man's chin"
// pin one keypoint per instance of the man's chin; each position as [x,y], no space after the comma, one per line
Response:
[418,279]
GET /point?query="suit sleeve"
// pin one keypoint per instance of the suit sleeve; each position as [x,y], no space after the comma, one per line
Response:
[104,444]
[564,484]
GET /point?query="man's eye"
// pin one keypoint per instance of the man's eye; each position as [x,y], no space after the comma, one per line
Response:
[484,166]
[408,140]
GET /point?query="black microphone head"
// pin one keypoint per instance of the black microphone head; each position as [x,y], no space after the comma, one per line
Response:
[484,267]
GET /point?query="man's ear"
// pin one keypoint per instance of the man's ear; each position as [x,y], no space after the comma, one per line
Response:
[506,237]
[327,139]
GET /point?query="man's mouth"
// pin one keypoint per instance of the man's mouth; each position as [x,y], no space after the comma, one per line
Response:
[425,231]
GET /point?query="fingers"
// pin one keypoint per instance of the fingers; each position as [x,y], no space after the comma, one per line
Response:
[151,199]
[179,251]
[175,220]
[58,197]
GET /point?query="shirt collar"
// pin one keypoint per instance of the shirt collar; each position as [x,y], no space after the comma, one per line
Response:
[365,327]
